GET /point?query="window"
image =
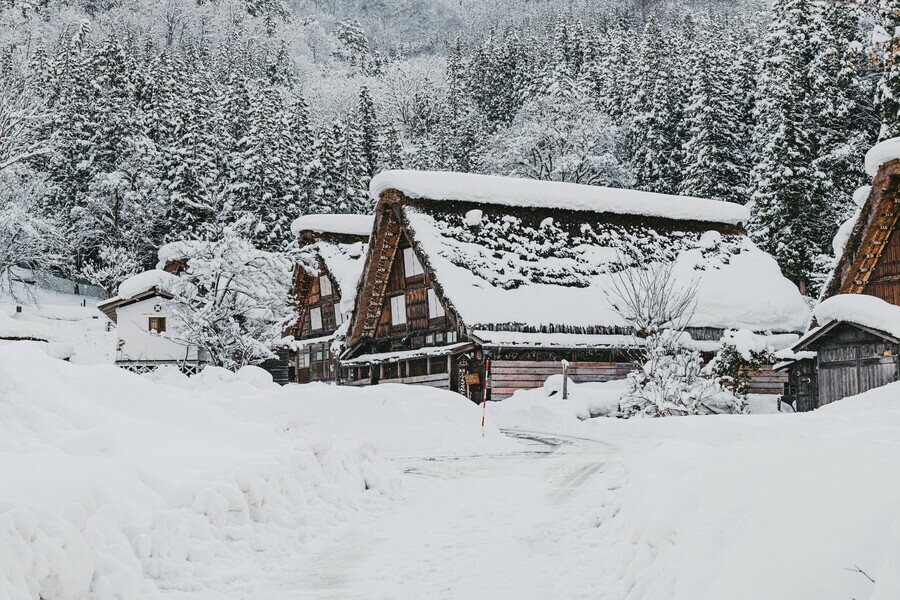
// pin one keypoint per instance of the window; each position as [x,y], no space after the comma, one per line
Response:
[303,360]
[315,318]
[320,355]
[411,264]
[451,337]
[338,317]
[439,337]
[157,324]
[435,308]
[324,286]
[429,339]
[398,310]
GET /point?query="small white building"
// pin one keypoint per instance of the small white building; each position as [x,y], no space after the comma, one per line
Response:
[148,331]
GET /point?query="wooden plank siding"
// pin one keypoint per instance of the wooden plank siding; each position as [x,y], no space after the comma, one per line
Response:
[852,361]
[885,280]
[768,381]
[510,376]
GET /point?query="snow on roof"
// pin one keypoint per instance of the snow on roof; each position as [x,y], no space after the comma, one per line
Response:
[344,262]
[881,153]
[530,193]
[142,282]
[360,225]
[559,277]
[860,309]
[387,357]
[178,250]
[12,328]
[558,340]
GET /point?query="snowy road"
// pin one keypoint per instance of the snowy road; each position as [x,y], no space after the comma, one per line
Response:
[469,527]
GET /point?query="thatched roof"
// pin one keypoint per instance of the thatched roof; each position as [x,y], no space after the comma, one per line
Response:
[548,263]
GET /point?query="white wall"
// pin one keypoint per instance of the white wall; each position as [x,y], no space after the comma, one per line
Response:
[137,343]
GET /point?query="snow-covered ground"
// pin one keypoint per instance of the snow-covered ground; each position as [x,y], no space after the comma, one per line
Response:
[225,486]
[72,320]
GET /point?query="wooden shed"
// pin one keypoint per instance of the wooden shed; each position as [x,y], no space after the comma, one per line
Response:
[850,359]
[462,269]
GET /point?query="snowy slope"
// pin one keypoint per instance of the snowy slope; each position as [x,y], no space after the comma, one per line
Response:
[116,486]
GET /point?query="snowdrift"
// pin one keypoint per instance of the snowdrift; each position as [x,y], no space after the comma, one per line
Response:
[116,486]
[746,507]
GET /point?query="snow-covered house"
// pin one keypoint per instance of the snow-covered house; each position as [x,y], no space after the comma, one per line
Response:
[464,267]
[332,254]
[140,311]
[852,346]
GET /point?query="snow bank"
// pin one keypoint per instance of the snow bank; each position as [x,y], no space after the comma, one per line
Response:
[360,225]
[16,328]
[742,507]
[543,408]
[510,191]
[116,486]
[882,153]
[861,309]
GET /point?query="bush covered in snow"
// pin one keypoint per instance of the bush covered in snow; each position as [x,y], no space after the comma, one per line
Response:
[742,355]
[233,299]
[671,380]
[673,383]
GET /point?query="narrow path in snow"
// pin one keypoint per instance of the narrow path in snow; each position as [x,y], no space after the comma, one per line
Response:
[469,527]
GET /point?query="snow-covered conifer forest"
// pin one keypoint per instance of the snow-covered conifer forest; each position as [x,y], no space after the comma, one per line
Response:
[449,299]
[137,123]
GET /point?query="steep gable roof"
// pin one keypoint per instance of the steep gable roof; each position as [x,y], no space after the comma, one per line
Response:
[875,224]
[548,263]
[335,245]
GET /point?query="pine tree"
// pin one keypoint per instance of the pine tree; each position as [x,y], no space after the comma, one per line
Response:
[655,127]
[393,148]
[497,77]
[783,211]
[713,152]
[367,131]
[841,103]
[887,56]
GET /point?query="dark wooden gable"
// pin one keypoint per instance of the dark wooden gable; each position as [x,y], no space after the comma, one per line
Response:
[870,263]
[384,278]
[308,296]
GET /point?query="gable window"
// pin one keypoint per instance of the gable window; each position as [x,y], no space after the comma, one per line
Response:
[398,309]
[157,324]
[435,308]
[411,264]
[315,318]
[325,286]
[338,317]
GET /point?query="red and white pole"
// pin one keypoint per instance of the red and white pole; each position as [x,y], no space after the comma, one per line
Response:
[487,392]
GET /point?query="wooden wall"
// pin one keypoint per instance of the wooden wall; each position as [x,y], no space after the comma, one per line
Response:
[509,376]
[767,381]
[852,361]
[885,280]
